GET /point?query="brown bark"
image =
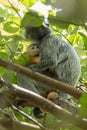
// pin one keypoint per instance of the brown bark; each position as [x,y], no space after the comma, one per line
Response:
[41,78]
[9,124]
[47,105]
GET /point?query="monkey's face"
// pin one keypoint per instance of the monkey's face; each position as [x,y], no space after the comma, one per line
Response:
[32,50]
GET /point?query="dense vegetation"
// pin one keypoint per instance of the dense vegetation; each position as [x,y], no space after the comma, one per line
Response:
[13,17]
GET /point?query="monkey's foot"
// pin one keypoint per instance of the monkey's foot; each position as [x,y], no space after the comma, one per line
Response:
[52,95]
[38,111]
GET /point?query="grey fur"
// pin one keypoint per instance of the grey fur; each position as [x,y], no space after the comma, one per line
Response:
[54,53]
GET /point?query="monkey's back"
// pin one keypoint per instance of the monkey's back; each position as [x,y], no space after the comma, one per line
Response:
[68,67]
[66,61]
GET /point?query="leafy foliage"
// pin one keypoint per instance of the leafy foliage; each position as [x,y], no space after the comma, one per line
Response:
[13,43]
[32,18]
[83,103]
[28,3]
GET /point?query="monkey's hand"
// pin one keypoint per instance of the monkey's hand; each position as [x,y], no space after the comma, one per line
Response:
[41,66]
[47,63]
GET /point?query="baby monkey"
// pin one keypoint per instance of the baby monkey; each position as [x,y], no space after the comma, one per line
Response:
[33,52]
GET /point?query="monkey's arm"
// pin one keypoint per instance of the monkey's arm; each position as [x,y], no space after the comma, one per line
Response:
[48,57]
[53,51]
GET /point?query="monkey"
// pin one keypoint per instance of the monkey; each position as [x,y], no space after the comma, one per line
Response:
[32,52]
[54,53]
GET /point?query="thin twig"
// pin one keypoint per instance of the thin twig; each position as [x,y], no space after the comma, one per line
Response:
[30,118]
[14,8]
[62,35]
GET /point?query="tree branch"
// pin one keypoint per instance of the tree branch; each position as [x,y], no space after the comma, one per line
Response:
[30,118]
[8,97]
[17,125]
[41,78]
[45,104]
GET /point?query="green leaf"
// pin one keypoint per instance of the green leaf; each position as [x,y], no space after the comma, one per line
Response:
[9,76]
[83,103]
[11,47]
[72,37]
[84,72]
[2,70]
[11,27]
[16,20]
[28,3]
[4,55]
[72,29]
[84,37]
[1,19]
[32,18]
[2,12]
[22,59]
[43,1]
[17,38]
